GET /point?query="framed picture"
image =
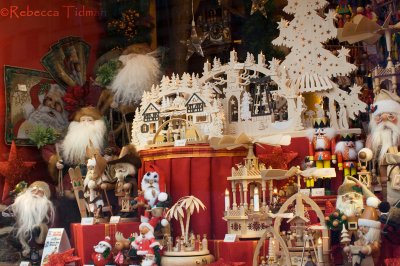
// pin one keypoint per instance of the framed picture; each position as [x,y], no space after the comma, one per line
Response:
[67,61]
[33,99]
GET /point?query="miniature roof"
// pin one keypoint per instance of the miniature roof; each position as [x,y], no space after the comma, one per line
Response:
[191,97]
[148,106]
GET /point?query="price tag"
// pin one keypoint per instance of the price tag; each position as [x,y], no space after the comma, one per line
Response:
[317,192]
[22,87]
[305,191]
[87,221]
[230,238]
[24,263]
[115,219]
[180,143]
[56,241]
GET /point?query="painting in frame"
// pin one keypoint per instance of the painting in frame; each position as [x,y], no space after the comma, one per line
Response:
[33,99]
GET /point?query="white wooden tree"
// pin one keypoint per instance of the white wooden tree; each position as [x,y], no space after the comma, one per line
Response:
[310,67]
[245,112]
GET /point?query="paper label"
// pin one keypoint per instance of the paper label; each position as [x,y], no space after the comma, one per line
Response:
[115,219]
[22,87]
[56,242]
[87,221]
[230,238]
[24,263]
[180,143]
[317,192]
[305,191]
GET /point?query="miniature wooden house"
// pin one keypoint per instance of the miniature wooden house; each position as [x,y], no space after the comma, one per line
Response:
[178,108]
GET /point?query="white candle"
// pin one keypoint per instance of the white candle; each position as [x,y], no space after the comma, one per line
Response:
[256,200]
[319,251]
[227,200]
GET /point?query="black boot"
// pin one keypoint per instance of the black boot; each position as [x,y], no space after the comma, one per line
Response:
[327,186]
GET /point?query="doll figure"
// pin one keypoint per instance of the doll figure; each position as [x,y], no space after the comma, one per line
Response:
[342,10]
[121,244]
[366,250]
[321,149]
[102,254]
[126,167]
[369,13]
[346,151]
[146,245]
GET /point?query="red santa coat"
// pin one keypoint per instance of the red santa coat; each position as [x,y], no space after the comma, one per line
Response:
[144,244]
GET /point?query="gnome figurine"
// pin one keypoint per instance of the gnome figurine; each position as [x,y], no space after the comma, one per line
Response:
[366,250]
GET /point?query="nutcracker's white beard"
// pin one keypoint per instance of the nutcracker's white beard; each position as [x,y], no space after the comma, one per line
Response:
[30,211]
[77,139]
[349,208]
[373,234]
[139,73]
[383,136]
[148,192]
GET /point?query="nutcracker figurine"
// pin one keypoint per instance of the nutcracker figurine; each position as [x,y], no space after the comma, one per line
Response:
[344,12]
[321,149]
[347,154]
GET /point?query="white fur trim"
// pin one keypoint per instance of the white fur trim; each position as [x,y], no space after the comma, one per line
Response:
[91,162]
[134,245]
[386,106]
[330,132]
[369,223]
[142,252]
[164,222]
[162,196]
[154,244]
[147,225]
[310,133]
[373,202]
[144,219]
[105,243]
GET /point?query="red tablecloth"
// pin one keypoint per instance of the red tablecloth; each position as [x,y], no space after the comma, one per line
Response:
[240,251]
[84,237]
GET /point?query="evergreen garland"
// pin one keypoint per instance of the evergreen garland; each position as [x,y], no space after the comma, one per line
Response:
[42,136]
[107,71]
[125,22]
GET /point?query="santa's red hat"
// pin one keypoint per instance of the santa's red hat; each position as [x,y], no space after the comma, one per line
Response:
[106,242]
[147,225]
[161,176]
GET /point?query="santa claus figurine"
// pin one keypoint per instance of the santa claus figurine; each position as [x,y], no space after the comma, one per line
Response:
[384,138]
[146,245]
[350,202]
[366,250]
[102,254]
[34,213]
[346,151]
[321,149]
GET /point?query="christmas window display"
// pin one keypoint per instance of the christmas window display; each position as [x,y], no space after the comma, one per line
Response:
[290,154]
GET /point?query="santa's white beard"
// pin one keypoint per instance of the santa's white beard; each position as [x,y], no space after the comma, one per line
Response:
[148,193]
[100,249]
[77,139]
[30,211]
[373,234]
[383,136]
[139,73]
[349,208]
[49,117]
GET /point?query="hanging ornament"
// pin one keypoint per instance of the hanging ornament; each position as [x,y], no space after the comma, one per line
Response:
[259,5]
[194,43]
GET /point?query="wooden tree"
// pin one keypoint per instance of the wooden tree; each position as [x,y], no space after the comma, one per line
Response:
[186,205]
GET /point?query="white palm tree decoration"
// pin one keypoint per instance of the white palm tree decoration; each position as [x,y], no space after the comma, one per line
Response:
[186,204]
